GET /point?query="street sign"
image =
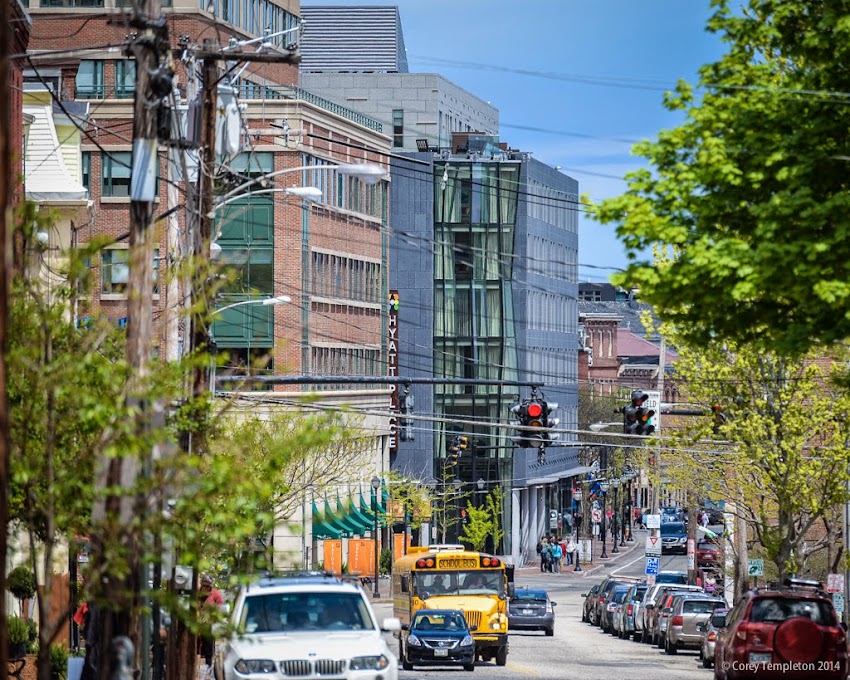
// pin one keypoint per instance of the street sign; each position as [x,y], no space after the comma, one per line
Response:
[651,566]
[653,521]
[653,402]
[650,579]
[691,562]
[596,515]
[838,603]
[755,567]
[834,583]
[653,546]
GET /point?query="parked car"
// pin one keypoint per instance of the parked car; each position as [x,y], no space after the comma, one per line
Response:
[794,625]
[589,605]
[613,600]
[676,577]
[624,622]
[644,626]
[305,623]
[662,620]
[437,637]
[688,611]
[709,552]
[674,538]
[531,609]
[604,588]
[673,514]
[709,635]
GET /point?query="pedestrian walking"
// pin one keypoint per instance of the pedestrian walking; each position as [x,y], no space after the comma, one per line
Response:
[704,519]
[571,551]
[545,555]
[555,547]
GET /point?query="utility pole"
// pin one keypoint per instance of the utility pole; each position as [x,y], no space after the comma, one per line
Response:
[6,229]
[116,512]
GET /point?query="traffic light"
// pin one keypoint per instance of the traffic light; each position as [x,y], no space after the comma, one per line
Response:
[533,423]
[454,449]
[637,419]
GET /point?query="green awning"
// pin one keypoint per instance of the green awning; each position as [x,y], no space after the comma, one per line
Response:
[321,529]
[366,508]
[354,515]
[338,522]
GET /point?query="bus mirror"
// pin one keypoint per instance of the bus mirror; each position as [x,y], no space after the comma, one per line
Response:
[509,571]
[510,590]
[405,584]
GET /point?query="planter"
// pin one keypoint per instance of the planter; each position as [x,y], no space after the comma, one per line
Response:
[17,650]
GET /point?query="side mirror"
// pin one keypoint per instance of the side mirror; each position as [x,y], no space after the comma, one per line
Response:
[584,594]
[405,626]
[666,610]
[649,605]
[554,604]
[405,584]
[391,624]
[511,590]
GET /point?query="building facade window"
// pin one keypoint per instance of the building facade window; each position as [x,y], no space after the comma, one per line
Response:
[115,168]
[125,79]
[90,84]
[115,271]
[337,276]
[85,170]
[346,360]
[398,127]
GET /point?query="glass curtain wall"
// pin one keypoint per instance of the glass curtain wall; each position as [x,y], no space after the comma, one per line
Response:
[475,214]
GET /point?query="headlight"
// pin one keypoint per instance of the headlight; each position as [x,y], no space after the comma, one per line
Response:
[369,663]
[468,641]
[413,641]
[683,539]
[246,666]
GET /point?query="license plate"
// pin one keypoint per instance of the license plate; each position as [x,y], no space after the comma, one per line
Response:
[526,612]
[760,658]
[441,652]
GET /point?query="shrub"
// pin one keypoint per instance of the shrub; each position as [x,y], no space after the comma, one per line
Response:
[32,640]
[17,630]
[21,583]
[386,561]
[59,655]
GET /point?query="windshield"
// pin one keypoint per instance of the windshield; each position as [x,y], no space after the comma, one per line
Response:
[778,609]
[638,594]
[485,582]
[672,528]
[532,596]
[708,545]
[700,606]
[294,612]
[430,620]
[619,596]
[671,577]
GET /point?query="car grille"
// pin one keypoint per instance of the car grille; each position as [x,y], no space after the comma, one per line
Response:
[473,619]
[300,668]
[441,643]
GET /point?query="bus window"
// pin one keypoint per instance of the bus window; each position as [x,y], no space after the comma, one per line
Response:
[482,583]
[428,584]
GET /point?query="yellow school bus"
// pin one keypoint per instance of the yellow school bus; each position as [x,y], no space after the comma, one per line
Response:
[451,577]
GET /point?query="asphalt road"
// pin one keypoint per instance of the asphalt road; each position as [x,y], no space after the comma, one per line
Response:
[577,650]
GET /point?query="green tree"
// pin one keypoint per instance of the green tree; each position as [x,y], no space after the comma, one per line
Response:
[750,196]
[782,450]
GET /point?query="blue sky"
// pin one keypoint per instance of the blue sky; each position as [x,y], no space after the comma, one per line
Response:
[609,62]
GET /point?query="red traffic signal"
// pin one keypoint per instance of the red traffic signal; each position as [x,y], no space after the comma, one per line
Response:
[534,409]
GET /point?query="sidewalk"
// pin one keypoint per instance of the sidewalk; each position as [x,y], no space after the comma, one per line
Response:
[631,549]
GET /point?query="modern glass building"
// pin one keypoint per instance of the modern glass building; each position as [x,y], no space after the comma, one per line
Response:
[483,255]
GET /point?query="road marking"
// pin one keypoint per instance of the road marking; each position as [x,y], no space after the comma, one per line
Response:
[524,669]
[628,564]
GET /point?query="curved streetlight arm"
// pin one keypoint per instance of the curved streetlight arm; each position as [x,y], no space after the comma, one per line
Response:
[598,427]
[279,300]
[368,172]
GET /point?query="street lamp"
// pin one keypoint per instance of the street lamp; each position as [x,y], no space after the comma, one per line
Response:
[279,300]
[598,427]
[614,514]
[577,497]
[603,485]
[376,484]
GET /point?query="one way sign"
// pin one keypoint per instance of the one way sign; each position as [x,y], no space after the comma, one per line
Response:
[653,546]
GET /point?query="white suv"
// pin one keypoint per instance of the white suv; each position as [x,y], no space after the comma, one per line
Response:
[305,625]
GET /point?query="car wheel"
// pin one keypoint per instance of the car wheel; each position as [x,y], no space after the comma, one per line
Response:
[638,637]
[550,632]
[706,662]
[583,617]
[469,666]
[661,642]
[502,656]
[670,648]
